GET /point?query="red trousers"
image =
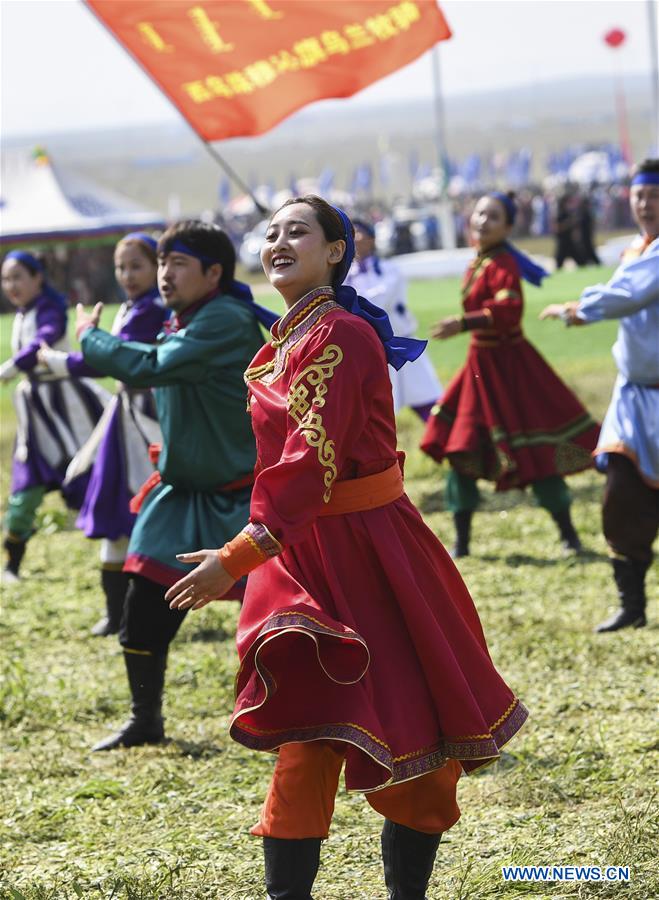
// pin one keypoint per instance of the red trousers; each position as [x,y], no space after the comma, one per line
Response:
[300,801]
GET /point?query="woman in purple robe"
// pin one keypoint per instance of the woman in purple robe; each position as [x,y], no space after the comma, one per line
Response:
[116,456]
[55,413]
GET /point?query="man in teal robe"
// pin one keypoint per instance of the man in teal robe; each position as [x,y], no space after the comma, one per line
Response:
[200,493]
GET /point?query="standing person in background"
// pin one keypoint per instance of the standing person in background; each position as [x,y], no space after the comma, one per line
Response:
[117,453]
[358,640]
[416,385]
[506,416]
[586,222]
[566,230]
[628,446]
[55,414]
[201,489]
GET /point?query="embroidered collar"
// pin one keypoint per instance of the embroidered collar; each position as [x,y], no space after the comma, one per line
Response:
[489,253]
[476,267]
[290,329]
[298,312]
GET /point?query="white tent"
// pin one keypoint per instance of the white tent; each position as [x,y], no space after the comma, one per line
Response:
[38,202]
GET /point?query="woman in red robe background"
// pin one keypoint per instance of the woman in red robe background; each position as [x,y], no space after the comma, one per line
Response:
[506,416]
[358,641]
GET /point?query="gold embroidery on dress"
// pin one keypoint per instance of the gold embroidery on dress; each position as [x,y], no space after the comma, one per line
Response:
[479,264]
[301,325]
[506,294]
[303,409]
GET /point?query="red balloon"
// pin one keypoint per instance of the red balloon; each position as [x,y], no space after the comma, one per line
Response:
[615,37]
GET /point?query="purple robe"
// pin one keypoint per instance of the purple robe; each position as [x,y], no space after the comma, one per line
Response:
[117,452]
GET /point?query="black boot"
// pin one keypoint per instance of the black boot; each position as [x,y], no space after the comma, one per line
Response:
[115,585]
[569,537]
[629,575]
[290,867]
[462,521]
[146,677]
[15,548]
[409,857]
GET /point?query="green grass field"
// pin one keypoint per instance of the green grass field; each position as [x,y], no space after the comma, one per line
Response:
[577,786]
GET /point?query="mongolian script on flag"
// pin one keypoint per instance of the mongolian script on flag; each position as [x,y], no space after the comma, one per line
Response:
[238,67]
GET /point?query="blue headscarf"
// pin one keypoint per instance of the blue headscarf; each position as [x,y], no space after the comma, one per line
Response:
[529,270]
[237,289]
[398,350]
[34,265]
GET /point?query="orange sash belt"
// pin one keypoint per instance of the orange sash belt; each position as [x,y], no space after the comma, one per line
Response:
[242,555]
[490,337]
[155,478]
[370,492]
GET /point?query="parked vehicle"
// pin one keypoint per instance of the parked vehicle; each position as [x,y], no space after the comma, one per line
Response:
[249,253]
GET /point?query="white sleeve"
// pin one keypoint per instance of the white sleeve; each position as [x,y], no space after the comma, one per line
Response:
[633,286]
[55,360]
[8,370]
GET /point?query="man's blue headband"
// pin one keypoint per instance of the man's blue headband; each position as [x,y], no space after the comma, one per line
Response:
[178,246]
[646,178]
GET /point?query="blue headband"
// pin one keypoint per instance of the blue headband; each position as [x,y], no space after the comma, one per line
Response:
[398,350]
[236,289]
[364,226]
[32,264]
[509,204]
[27,259]
[141,236]
[177,246]
[646,178]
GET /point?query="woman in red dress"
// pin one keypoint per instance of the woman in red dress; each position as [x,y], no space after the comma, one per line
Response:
[358,641]
[506,416]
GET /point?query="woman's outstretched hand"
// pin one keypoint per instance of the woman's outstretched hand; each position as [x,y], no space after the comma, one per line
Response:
[446,328]
[553,311]
[209,581]
[85,320]
[565,311]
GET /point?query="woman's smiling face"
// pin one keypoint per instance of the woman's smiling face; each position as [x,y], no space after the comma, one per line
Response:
[296,255]
[19,284]
[488,223]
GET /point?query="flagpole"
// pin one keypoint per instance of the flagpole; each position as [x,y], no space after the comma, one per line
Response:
[232,174]
[444,212]
[654,72]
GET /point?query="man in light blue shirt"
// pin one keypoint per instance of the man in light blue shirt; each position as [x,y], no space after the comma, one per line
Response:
[628,446]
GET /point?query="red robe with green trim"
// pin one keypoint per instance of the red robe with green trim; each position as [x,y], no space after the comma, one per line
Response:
[358,627]
[506,416]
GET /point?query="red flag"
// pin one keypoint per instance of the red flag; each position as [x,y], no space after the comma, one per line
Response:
[237,67]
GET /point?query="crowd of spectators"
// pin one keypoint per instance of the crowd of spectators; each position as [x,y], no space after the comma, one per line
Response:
[569,214]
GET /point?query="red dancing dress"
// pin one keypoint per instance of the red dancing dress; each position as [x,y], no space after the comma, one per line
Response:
[506,416]
[356,626]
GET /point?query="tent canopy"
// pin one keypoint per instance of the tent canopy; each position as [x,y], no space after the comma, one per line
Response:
[40,202]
